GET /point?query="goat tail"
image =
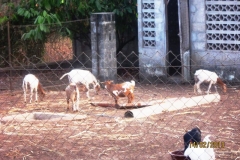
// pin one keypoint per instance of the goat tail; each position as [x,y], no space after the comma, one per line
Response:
[133,82]
[64,76]
[40,89]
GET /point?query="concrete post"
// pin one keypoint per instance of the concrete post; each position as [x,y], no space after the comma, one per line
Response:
[103,42]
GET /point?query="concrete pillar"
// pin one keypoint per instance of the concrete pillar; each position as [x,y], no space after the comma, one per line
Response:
[103,43]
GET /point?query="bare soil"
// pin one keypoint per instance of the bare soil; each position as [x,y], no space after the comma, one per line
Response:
[106,134]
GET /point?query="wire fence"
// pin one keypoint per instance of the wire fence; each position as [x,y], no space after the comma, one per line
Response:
[151,128]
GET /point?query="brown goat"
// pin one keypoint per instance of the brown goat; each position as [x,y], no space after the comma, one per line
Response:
[73,95]
[120,90]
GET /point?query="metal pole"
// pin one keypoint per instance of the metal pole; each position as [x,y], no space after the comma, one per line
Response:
[9,58]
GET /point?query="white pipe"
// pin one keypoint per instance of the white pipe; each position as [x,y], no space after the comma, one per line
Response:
[172,104]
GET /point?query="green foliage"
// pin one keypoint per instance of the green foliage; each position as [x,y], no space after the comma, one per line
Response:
[46,13]
[3,19]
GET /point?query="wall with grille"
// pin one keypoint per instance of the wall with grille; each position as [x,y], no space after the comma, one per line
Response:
[152,38]
[214,37]
[214,29]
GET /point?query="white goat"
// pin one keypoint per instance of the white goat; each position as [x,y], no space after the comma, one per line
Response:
[201,76]
[72,94]
[83,76]
[34,85]
[199,153]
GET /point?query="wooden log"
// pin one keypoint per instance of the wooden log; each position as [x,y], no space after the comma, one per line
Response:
[122,106]
[172,104]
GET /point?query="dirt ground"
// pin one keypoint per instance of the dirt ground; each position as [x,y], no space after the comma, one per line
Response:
[106,134]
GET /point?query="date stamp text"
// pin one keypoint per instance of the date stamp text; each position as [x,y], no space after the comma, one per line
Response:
[214,144]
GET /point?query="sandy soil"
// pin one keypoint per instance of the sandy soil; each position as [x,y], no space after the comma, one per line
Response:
[106,134]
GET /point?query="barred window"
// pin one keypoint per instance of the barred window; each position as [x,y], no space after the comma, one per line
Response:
[223,25]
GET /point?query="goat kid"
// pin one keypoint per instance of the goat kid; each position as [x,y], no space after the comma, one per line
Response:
[34,84]
[83,76]
[73,95]
[120,90]
[201,76]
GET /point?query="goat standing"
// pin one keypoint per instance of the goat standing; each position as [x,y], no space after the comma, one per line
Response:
[120,90]
[83,76]
[201,76]
[73,95]
[34,85]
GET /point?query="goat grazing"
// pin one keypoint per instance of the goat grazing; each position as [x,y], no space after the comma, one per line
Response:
[120,90]
[34,85]
[199,152]
[192,136]
[83,76]
[201,76]
[73,95]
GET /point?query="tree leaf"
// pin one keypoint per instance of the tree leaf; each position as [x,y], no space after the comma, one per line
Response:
[42,27]
[20,11]
[129,10]
[98,5]
[27,14]
[47,5]
[40,19]
[68,31]
[45,14]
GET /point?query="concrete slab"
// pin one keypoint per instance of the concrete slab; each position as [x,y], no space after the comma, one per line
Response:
[41,116]
[171,105]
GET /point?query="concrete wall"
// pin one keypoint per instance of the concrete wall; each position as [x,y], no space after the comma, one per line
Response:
[152,60]
[224,63]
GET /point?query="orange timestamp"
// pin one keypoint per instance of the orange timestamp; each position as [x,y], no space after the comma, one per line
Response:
[213,144]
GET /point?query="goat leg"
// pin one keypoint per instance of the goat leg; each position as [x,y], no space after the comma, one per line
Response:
[31,94]
[36,96]
[67,104]
[130,98]
[209,87]
[195,88]
[25,96]
[116,102]
[198,87]
[216,88]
